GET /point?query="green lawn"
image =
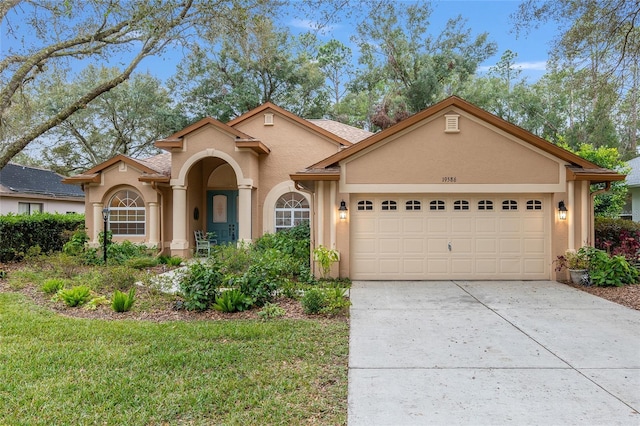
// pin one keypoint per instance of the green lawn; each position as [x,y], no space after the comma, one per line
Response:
[64,371]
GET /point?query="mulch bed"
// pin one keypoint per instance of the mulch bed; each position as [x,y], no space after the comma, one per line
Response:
[628,296]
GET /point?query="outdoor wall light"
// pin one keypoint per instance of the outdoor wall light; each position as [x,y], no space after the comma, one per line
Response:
[343,210]
[105,218]
[562,210]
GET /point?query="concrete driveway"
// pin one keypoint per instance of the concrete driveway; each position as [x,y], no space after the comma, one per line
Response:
[491,353]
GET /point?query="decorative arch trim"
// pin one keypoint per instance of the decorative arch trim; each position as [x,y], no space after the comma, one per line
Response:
[207,153]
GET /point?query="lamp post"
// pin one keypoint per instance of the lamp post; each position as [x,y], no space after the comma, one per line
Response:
[105,218]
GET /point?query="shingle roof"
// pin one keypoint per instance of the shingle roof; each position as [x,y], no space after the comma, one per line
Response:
[345,131]
[633,178]
[32,180]
[160,163]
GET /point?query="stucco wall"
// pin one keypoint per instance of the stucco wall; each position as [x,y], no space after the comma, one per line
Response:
[293,147]
[477,154]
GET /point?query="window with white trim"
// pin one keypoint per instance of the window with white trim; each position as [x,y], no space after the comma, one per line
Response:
[413,205]
[509,205]
[29,208]
[389,205]
[127,215]
[292,209]
[485,205]
[365,205]
[534,205]
[436,205]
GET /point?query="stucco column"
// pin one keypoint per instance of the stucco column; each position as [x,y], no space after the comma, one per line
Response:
[320,214]
[571,214]
[244,213]
[154,229]
[586,208]
[97,223]
[179,241]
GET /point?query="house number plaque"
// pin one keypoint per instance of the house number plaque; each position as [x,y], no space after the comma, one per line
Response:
[448,179]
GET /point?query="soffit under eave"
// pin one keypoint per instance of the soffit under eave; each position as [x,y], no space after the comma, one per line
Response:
[594,175]
[82,179]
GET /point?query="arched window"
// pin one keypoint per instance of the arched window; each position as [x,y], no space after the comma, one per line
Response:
[292,209]
[127,213]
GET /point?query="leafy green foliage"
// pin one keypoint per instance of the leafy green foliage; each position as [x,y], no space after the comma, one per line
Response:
[122,302]
[200,285]
[328,301]
[75,246]
[170,260]
[141,262]
[618,237]
[610,271]
[325,258]
[75,296]
[118,277]
[270,311]
[232,301]
[52,285]
[48,231]
[120,253]
[293,242]
[93,304]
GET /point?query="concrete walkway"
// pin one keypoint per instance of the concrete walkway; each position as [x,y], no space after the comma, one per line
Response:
[491,353]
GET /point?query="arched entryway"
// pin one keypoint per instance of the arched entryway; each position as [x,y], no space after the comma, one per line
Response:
[210,194]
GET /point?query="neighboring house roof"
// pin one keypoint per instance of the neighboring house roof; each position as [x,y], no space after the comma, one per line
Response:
[581,168]
[336,138]
[633,178]
[18,179]
[345,131]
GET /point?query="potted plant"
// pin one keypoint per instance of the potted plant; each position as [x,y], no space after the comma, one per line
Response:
[577,263]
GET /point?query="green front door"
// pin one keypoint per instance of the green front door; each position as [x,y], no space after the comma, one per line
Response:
[222,215]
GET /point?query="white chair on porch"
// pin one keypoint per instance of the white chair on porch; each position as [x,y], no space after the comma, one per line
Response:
[203,247]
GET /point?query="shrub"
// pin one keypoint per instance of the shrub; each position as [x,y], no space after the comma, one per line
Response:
[618,237]
[232,301]
[122,302]
[293,242]
[610,271]
[75,246]
[271,310]
[52,285]
[119,253]
[170,260]
[141,262]
[263,278]
[200,284]
[325,258]
[313,301]
[119,277]
[48,231]
[75,296]
[329,301]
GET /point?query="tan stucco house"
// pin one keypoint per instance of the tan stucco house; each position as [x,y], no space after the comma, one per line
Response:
[452,192]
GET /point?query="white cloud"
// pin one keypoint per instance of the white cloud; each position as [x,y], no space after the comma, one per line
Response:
[532,66]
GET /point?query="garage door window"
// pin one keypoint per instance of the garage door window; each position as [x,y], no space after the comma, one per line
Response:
[436,205]
[509,205]
[461,205]
[365,205]
[534,205]
[485,205]
[389,205]
[413,205]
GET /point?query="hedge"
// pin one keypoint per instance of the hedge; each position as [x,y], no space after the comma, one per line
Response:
[618,236]
[48,231]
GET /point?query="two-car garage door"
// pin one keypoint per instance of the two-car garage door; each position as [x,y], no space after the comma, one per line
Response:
[432,236]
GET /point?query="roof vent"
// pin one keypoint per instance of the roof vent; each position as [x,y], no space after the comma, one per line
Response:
[451,123]
[268,119]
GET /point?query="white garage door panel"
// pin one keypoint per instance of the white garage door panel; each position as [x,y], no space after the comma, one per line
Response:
[450,244]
